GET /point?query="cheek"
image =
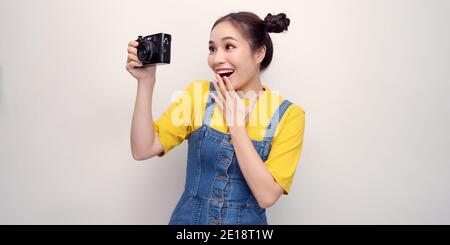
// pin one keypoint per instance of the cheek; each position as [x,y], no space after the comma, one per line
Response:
[241,61]
[209,61]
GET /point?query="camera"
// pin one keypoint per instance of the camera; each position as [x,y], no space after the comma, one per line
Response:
[154,49]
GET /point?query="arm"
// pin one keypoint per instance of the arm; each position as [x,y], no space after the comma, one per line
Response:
[263,186]
[144,140]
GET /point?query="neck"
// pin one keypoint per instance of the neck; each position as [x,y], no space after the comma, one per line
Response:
[253,84]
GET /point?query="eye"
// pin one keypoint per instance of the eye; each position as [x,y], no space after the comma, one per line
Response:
[228,45]
[211,49]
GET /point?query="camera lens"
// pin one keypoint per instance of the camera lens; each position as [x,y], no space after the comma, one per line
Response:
[145,50]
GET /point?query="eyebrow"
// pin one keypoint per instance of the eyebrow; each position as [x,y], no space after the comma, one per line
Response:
[224,38]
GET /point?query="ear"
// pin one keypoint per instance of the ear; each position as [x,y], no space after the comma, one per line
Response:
[260,54]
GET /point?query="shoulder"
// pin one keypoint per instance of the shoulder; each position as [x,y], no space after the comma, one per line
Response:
[291,126]
[295,111]
[294,118]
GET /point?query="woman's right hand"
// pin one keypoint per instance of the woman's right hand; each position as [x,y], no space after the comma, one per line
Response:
[134,65]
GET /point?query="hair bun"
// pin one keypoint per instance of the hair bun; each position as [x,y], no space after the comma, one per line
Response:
[276,23]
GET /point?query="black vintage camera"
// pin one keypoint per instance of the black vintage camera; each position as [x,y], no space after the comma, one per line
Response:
[154,49]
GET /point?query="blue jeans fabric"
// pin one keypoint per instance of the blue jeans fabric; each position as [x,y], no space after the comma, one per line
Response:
[215,190]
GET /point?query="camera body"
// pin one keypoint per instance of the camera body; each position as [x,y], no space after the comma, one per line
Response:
[154,49]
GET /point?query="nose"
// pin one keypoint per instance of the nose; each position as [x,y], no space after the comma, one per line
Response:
[219,58]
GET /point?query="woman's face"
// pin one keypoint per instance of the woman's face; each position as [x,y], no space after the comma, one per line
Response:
[229,50]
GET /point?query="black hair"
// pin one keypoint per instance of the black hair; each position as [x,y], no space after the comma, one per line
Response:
[257,30]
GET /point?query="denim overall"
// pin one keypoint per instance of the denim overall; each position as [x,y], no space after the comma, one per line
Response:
[215,189]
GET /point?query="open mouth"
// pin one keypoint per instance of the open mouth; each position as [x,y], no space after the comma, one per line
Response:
[226,73]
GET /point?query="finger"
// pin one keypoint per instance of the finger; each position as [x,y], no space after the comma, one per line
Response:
[222,87]
[133,43]
[221,99]
[228,95]
[133,64]
[228,84]
[133,57]
[218,101]
[230,100]
[219,93]
[222,95]
[229,87]
[132,50]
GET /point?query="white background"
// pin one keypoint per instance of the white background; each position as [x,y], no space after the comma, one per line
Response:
[372,76]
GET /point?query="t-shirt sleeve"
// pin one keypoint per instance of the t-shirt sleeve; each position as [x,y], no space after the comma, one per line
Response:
[174,125]
[287,147]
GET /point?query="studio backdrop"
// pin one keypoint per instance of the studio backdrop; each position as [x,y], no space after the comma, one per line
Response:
[371,75]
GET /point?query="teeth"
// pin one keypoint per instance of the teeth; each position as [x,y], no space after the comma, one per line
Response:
[225,71]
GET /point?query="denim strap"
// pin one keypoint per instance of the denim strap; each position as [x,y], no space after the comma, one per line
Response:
[209,105]
[275,120]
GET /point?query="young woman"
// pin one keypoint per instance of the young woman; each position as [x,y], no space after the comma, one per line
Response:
[244,140]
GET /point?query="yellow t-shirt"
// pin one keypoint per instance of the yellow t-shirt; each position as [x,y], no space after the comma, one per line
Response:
[185,115]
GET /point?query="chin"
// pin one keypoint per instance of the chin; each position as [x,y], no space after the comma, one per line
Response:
[235,86]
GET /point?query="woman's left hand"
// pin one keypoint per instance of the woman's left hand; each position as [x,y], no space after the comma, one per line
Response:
[233,109]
